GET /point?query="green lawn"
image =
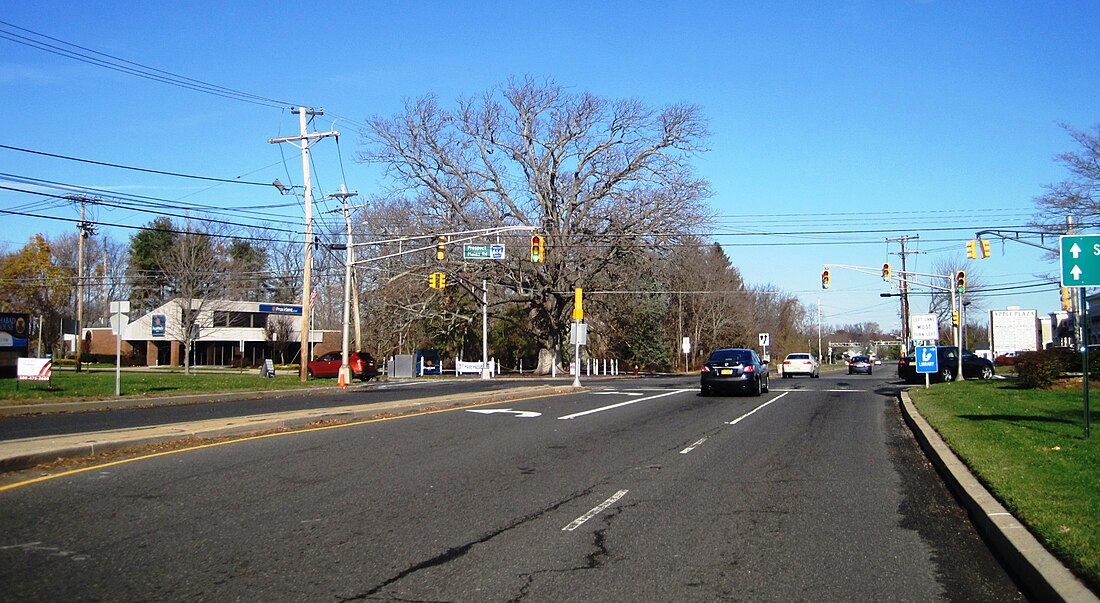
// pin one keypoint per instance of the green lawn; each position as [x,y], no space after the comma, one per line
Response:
[100,383]
[1029,448]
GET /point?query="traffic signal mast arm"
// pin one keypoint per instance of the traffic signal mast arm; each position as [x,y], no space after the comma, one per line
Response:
[1014,235]
[453,238]
[898,275]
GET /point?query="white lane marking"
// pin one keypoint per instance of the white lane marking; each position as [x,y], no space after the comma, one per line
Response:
[576,523]
[694,445]
[520,414]
[616,393]
[628,402]
[739,419]
[842,391]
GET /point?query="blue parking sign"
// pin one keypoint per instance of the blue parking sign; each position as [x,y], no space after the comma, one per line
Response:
[928,361]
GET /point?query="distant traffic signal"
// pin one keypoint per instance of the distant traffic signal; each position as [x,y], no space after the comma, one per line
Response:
[825,279]
[886,272]
[960,281]
[537,248]
[437,280]
[985,248]
[972,249]
[441,248]
[954,318]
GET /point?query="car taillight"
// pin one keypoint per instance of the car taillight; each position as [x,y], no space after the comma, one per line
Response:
[705,369]
[749,369]
[786,362]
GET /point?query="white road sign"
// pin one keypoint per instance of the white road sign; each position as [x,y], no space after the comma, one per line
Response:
[924,327]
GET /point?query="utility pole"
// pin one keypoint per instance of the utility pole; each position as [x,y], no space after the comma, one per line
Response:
[349,259]
[305,138]
[904,291]
[86,230]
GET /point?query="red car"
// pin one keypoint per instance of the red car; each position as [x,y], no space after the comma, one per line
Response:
[363,366]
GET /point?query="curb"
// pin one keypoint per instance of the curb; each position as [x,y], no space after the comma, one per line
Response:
[1040,572]
[23,454]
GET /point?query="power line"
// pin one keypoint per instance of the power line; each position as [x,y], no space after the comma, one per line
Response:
[136,169]
[65,49]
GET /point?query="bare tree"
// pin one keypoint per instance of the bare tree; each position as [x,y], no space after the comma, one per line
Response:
[1079,194]
[603,180]
[193,265]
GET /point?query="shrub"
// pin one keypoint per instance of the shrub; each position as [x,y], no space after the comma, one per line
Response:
[1040,369]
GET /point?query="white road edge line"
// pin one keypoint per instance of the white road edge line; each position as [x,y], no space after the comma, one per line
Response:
[576,523]
[694,445]
[628,402]
[738,419]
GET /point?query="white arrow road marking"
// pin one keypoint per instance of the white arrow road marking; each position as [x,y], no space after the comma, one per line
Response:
[520,414]
[628,402]
[694,446]
[1075,251]
[576,523]
[1076,272]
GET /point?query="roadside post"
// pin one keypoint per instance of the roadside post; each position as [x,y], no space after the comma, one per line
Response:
[119,310]
[579,335]
[1080,260]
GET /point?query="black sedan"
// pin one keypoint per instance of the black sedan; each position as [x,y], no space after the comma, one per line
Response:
[734,369]
[974,366]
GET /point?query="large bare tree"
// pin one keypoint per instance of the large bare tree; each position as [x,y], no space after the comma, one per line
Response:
[1079,194]
[603,180]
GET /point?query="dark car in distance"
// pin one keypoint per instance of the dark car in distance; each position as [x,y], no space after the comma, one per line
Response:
[362,364]
[734,369]
[860,364]
[973,366]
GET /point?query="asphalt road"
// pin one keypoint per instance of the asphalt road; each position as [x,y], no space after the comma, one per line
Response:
[634,490]
[30,426]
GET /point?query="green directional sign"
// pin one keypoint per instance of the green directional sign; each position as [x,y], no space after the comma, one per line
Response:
[1080,260]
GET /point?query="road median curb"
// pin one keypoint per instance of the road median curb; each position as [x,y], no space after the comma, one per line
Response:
[21,454]
[1037,570]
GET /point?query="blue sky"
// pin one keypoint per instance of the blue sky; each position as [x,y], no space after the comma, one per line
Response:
[835,124]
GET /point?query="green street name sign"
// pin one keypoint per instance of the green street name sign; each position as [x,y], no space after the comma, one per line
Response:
[1080,260]
[482,251]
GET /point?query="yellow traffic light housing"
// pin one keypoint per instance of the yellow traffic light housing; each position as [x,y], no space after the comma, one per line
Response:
[441,248]
[538,248]
[437,280]
[985,248]
[972,249]
[578,306]
[825,279]
[960,281]
[954,318]
[886,272]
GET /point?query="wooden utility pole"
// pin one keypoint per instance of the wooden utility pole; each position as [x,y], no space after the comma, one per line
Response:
[304,138]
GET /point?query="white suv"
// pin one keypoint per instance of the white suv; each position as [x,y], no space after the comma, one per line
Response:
[801,363]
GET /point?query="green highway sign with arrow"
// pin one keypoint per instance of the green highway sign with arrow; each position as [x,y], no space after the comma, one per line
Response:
[1080,260]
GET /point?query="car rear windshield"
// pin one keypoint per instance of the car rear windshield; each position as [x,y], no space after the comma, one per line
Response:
[798,356]
[860,359]
[734,356]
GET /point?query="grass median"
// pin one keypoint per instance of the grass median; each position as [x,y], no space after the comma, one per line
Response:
[1029,448]
[96,384]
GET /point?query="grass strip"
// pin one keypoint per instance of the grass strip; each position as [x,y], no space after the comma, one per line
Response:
[98,384]
[1028,447]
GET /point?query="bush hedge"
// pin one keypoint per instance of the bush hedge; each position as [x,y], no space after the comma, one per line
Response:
[1040,369]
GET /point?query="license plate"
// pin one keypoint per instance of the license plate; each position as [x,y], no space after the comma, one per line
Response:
[725,372]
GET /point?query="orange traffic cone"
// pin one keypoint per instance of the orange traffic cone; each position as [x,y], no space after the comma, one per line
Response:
[343,378]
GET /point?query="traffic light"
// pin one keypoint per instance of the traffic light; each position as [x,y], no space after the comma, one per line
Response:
[578,306]
[825,279]
[886,272]
[985,248]
[972,249]
[1067,300]
[437,280]
[960,281]
[537,248]
[954,318]
[441,248]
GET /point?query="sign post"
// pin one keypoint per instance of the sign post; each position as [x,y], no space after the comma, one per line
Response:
[119,309]
[928,361]
[1080,259]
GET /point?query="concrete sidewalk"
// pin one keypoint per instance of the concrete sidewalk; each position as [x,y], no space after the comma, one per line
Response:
[28,452]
